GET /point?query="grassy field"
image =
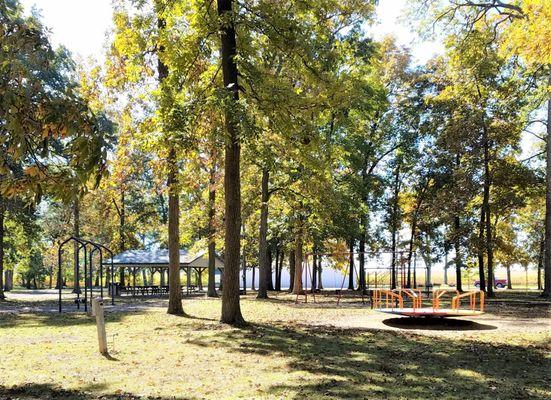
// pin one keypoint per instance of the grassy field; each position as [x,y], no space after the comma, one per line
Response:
[306,351]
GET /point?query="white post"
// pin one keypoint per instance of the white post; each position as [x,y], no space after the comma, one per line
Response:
[97,310]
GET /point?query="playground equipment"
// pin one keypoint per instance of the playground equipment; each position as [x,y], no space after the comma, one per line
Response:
[88,249]
[392,302]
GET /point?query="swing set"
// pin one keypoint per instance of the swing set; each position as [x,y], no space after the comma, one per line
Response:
[393,298]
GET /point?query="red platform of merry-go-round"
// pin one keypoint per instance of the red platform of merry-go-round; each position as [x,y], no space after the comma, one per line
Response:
[392,302]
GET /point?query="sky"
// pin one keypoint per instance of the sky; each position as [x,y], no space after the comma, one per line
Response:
[82,25]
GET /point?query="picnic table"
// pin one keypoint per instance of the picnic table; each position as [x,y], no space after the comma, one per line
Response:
[152,290]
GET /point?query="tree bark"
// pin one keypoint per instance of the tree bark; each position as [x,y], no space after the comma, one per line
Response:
[446,267]
[411,243]
[263,239]
[394,227]
[76,233]
[291,270]
[509,284]
[457,241]
[174,283]
[277,254]
[269,281]
[320,283]
[253,278]
[279,270]
[351,265]
[231,309]
[122,235]
[547,255]
[297,284]
[481,274]
[487,214]
[540,263]
[2,219]
[8,283]
[458,261]
[314,271]
[244,267]
[361,271]
[211,290]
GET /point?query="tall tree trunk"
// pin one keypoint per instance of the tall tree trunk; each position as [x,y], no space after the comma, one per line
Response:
[411,244]
[211,291]
[481,274]
[394,227]
[487,214]
[509,284]
[458,261]
[263,240]
[50,276]
[174,283]
[291,270]
[244,267]
[270,282]
[457,241]
[231,310]
[314,271]
[2,218]
[76,233]
[351,265]
[540,263]
[446,267]
[320,283]
[361,284]
[277,253]
[122,232]
[253,277]
[297,284]
[547,253]
[8,283]
[278,273]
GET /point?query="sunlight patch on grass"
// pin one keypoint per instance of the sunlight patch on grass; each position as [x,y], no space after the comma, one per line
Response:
[469,373]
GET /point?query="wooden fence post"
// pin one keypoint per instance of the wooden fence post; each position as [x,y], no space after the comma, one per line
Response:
[97,310]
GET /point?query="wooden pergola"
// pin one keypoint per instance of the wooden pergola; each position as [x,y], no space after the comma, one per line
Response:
[134,261]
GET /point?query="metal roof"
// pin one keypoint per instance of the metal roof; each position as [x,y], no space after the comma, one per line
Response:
[152,257]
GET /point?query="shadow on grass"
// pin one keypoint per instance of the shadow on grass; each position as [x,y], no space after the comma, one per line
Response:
[361,363]
[437,324]
[38,319]
[34,391]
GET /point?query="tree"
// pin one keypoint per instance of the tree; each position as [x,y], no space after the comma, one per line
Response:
[231,310]
[51,141]
[522,26]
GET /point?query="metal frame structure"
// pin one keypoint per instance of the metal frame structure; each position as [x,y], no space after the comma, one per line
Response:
[392,302]
[89,248]
[393,273]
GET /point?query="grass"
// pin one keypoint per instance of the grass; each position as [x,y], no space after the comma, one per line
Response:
[288,351]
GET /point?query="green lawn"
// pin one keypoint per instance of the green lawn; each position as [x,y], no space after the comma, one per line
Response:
[288,351]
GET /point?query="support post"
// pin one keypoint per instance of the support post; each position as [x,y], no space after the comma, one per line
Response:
[97,310]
